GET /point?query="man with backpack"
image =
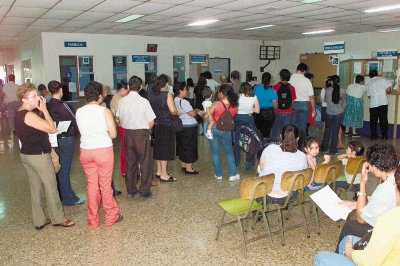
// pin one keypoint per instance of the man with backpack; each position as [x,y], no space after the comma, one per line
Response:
[286,96]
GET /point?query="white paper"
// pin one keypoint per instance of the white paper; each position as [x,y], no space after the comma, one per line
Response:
[387,65]
[328,202]
[63,126]
[357,66]
[53,140]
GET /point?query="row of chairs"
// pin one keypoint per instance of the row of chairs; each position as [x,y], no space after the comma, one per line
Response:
[246,206]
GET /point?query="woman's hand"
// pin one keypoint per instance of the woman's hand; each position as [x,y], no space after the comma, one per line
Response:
[364,172]
[348,248]
[42,104]
[351,204]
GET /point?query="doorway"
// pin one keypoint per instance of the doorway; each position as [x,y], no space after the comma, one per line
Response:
[220,66]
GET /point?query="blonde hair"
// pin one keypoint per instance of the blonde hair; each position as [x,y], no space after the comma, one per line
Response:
[23,89]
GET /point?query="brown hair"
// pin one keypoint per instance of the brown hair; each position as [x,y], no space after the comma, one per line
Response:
[23,89]
[245,88]
[290,134]
[357,147]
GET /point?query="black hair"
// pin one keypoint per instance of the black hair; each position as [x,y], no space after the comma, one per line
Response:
[284,74]
[359,78]
[93,91]
[227,90]
[54,86]
[309,75]
[302,67]
[397,178]
[307,142]
[135,83]
[373,73]
[121,85]
[235,75]
[198,89]
[266,79]
[357,147]
[246,89]
[161,81]
[207,74]
[178,87]
[328,81]
[336,89]
[189,82]
[42,87]
[290,134]
[383,156]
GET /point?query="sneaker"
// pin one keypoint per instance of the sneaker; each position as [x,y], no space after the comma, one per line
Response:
[355,135]
[218,177]
[209,134]
[234,178]
[347,133]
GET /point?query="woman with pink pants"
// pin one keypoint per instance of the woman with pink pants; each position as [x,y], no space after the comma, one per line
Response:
[97,128]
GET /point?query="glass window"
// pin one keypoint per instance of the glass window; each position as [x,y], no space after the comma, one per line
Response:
[86,73]
[120,70]
[26,71]
[150,69]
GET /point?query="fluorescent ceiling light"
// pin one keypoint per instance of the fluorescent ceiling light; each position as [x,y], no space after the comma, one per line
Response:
[311,1]
[383,8]
[202,22]
[129,18]
[388,30]
[260,27]
[318,32]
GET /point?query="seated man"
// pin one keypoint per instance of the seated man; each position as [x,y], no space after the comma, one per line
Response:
[381,162]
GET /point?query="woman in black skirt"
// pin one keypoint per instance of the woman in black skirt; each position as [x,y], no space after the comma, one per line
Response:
[186,140]
[162,103]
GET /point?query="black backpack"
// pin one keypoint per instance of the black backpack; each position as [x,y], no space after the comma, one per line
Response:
[285,98]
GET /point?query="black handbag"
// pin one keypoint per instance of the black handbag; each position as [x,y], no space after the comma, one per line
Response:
[176,123]
[363,242]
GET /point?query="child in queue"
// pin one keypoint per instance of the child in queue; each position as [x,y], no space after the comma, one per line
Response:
[207,123]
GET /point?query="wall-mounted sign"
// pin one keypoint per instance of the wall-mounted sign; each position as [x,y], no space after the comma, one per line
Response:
[196,59]
[334,47]
[75,44]
[387,54]
[335,60]
[140,58]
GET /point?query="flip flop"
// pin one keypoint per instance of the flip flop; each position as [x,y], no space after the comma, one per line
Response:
[170,179]
[42,226]
[66,223]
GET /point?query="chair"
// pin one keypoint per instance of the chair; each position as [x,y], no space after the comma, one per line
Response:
[353,167]
[293,181]
[243,206]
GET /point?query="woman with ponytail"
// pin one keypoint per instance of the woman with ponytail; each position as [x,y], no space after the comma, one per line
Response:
[268,100]
[163,105]
[278,159]
[227,100]
[336,104]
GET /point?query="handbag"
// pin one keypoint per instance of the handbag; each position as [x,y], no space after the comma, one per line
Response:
[363,242]
[55,160]
[176,123]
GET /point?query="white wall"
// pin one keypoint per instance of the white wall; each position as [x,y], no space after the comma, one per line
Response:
[31,49]
[243,54]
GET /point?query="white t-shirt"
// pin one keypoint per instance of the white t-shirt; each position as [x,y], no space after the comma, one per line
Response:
[206,103]
[303,87]
[356,90]
[212,84]
[93,127]
[246,104]
[184,107]
[277,161]
[10,89]
[322,95]
[376,89]
[382,199]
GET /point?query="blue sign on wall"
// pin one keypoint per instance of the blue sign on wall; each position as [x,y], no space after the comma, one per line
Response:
[194,59]
[75,44]
[387,54]
[140,58]
[334,47]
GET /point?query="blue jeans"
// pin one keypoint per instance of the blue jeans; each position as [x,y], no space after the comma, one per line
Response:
[328,258]
[330,139]
[300,115]
[281,120]
[241,119]
[65,151]
[225,139]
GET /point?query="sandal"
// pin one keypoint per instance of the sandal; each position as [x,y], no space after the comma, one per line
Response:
[66,223]
[341,146]
[170,179]
[42,226]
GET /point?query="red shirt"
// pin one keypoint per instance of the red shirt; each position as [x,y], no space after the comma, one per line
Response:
[219,109]
[276,87]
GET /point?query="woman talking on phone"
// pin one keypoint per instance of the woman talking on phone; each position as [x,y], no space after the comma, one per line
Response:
[32,124]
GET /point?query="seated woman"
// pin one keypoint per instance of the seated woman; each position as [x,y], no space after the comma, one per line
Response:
[278,159]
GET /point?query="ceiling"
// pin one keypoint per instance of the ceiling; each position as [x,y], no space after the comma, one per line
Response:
[22,19]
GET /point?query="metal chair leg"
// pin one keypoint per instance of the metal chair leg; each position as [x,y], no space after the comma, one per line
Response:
[316,218]
[243,236]
[220,225]
[268,228]
[305,220]
[281,225]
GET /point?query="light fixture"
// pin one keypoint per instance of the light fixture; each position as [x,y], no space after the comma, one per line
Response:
[129,18]
[260,27]
[382,8]
[318,32]
[388,30]
[202,22]
[311,1]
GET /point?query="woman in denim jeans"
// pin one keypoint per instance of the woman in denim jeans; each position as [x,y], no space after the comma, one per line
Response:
[227,99]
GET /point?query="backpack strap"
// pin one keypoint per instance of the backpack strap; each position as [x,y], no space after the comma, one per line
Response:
[225,106]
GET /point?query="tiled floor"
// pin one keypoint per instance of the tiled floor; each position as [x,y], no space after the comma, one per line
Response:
[176,226]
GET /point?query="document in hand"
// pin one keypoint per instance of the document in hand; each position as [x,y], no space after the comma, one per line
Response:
[328,202]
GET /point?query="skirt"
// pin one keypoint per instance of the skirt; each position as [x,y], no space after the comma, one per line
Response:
[354,112]
[164,143]
[186,145]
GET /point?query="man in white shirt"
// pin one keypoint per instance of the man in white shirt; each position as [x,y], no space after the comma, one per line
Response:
[10,100]
[304,97]
[210,82]
[377,90]
[382,163]
[137,119]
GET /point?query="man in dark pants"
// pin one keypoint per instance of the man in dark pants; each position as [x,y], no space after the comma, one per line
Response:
[381,162]
[377,90]
[137,119]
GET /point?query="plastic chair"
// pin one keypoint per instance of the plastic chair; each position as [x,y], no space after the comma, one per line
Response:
[243,206]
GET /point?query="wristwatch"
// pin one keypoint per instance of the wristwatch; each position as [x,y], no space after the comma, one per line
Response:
[359,193]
